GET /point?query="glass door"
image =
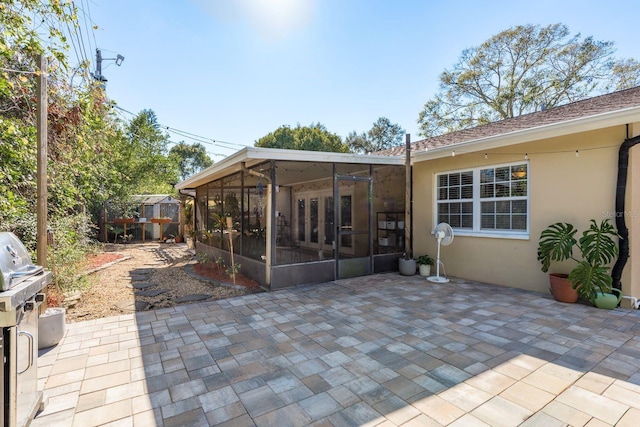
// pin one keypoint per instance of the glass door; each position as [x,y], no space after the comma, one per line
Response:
[353,210]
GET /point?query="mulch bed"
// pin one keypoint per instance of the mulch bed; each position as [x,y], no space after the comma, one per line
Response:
[98,260]
[213,272]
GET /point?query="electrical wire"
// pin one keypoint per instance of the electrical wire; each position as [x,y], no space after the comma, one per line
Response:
[193,136]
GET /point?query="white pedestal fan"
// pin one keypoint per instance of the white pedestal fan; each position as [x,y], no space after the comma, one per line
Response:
[444,233]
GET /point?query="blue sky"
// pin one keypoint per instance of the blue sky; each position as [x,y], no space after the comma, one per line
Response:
[235,70]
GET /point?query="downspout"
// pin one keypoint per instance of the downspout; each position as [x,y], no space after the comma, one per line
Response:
[621,190]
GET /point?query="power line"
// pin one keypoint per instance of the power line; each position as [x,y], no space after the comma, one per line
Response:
[168,141]
[193,136]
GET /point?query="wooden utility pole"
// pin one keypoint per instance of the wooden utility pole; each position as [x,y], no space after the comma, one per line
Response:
[41,183]
[407,200]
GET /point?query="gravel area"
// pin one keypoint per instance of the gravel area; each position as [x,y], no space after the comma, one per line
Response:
[149,276]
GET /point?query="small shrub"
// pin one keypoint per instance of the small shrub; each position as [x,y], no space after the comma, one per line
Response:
[202,257]
[220,263]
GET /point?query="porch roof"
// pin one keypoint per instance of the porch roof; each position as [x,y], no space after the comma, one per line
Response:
[252,156]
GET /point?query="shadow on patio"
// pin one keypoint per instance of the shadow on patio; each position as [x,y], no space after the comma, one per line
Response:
[382,349]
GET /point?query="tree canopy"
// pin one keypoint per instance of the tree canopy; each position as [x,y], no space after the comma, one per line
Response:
[315,137]
[190,159]
[520,70]
[382,136]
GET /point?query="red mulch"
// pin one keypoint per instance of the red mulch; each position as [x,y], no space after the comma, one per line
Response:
[98,260]
[212,272]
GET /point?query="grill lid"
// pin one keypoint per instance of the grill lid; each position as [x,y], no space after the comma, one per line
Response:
[15,261]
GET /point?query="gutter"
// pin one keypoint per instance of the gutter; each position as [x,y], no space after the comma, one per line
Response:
[582,124]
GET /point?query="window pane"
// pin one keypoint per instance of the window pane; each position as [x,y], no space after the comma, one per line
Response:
[519,172]
[443,208]
[487,190]
[467,207]
[454,221]
[503,207]
[454,179]
[502,174]
[454,208]
[467,192]
[519,188]
[467,178]
[519,222]
[503,190]
[488,221]
[443,218]
[467,221]
[503,222]
[442,194]
[486,175]
[487,207]
[519,206]
[443,180]
[454,193]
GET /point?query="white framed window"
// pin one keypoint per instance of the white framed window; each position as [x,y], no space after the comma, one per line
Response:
[486,201]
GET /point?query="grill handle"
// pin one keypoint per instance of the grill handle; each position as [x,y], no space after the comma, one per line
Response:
[30,338]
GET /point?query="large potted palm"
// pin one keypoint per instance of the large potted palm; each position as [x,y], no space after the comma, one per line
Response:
[590,278]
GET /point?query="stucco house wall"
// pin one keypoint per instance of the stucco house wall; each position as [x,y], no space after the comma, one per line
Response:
[563,186]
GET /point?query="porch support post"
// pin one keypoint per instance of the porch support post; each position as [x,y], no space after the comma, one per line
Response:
[271,222]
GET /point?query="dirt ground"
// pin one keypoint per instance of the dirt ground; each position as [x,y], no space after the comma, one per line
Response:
[137,277]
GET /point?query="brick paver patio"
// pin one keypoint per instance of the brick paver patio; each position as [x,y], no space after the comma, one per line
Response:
[378,350]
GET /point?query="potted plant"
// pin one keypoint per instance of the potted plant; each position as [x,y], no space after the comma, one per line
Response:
[407,265]
[590,278]
[51,323]
[424,264]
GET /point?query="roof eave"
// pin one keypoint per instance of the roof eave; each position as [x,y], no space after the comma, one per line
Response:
[582,124]
[233,163]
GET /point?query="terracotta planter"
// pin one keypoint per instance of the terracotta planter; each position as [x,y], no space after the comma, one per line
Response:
[124,220]
[161,220]
[561,288]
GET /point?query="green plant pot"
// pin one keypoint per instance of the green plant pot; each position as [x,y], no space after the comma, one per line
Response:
[608,301]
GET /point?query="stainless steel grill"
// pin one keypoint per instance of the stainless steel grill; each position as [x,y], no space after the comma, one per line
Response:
[21,283]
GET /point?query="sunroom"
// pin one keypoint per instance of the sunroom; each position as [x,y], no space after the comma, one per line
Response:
[299,217]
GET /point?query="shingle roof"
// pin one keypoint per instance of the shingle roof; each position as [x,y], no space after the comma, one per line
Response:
[579,109]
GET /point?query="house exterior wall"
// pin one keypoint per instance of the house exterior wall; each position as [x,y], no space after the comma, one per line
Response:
[562,187]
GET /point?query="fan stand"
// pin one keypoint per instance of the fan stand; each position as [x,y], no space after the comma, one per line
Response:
[437,278]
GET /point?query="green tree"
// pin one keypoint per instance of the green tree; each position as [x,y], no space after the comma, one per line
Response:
[143,159]
[190,159]
[518,71]
[625,74]
[382,136]
[311,138]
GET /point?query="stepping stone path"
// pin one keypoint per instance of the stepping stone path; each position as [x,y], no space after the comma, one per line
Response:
[139,277]
[132,306]
[192,298]
[144,285]
[151,293]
